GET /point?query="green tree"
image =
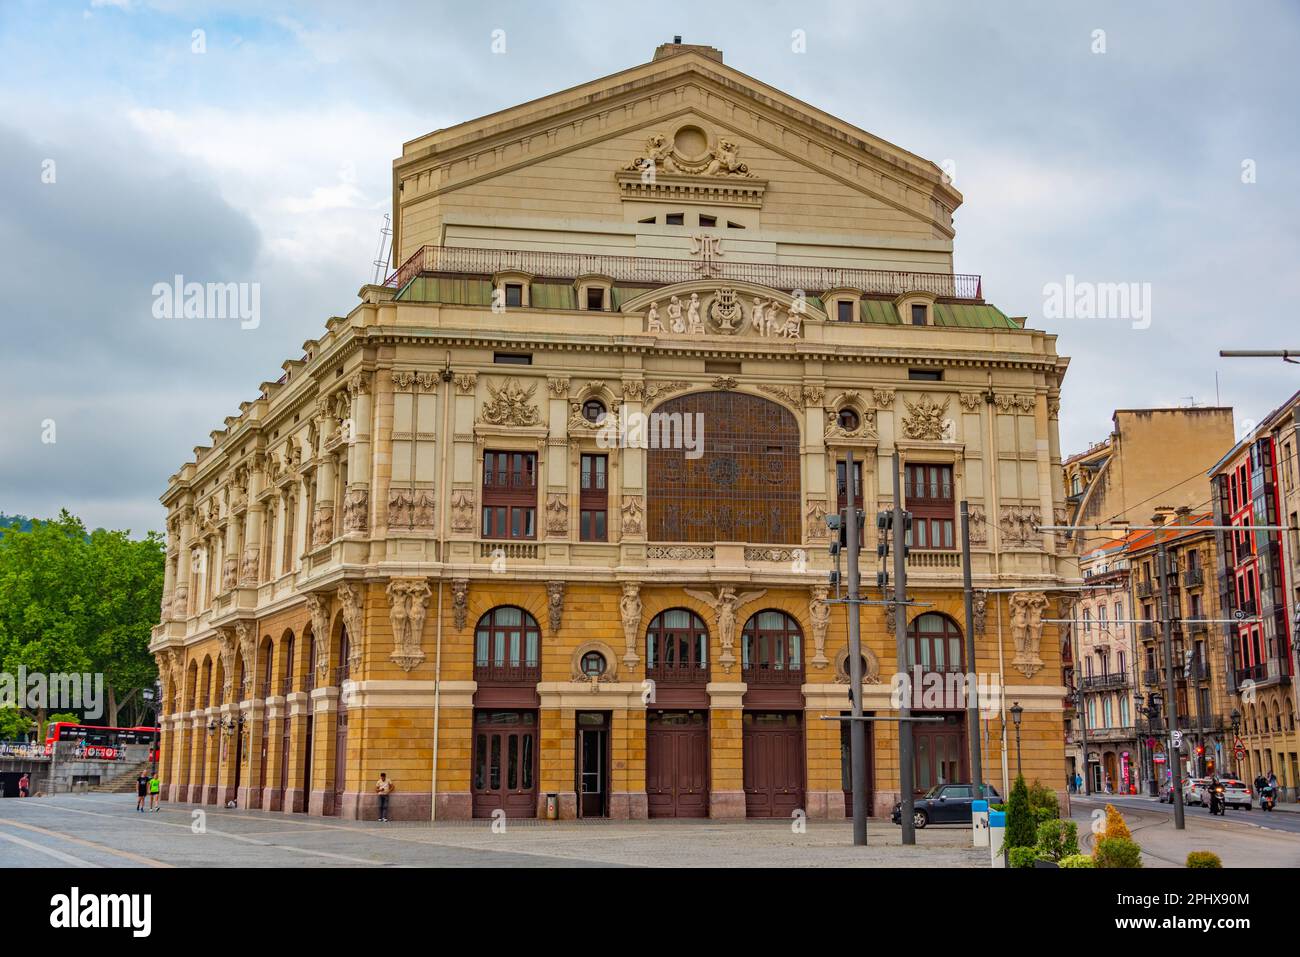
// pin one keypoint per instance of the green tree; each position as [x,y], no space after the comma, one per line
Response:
[77,602]
[1020,818]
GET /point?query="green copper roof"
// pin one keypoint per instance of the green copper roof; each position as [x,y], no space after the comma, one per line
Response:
[549,295]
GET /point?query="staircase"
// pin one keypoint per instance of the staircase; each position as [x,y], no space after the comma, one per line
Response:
[124,781]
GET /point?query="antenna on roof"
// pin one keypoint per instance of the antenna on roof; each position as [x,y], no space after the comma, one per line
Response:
[381,256]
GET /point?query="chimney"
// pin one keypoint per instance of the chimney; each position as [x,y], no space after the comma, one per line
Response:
[1183,515]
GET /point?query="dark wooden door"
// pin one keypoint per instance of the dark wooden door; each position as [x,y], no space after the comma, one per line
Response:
[306,762]
[340,760]
[286,726]
[846,763]
[677,764]
[592,764]
[265,749]
[505,763]
[773,755]
[940,752]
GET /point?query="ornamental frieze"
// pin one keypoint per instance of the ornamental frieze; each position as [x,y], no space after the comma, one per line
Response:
[459,602]
[462,510]
[671,155]
[723,312]
[510,404]
[925,420]
[356,509]
[555,605]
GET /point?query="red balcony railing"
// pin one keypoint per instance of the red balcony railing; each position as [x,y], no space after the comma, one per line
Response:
[465,260]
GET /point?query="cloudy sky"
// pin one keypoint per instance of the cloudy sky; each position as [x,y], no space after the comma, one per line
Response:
[266,158]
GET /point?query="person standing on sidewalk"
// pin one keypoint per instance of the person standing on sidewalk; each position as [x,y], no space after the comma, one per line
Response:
[383,787]
[155,785]
[141,791]
[24,786]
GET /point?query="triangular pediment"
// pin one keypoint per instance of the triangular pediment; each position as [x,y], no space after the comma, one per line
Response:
[689,100]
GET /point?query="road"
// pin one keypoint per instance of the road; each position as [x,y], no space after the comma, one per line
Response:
[1240,838]
[104,830]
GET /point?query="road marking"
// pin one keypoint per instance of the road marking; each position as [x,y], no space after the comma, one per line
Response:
[234,837]
[138,858]
[57,855]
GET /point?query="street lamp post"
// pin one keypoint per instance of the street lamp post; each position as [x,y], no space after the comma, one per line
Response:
[1236,729]
[1016,712]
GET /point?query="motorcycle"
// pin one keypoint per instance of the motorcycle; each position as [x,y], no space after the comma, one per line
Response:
[1216,800]
[1267,798]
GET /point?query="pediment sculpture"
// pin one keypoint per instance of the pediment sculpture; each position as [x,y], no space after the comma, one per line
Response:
[664,155]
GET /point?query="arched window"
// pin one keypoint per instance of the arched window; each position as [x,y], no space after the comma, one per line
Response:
[1105,712]
[743,486]
[848,419]
[1123,711]
[934,643]
[309,684]
[286,681]
[506,646]
[268,660]
[593,410]
[206,691]
[771,648]
[677,647]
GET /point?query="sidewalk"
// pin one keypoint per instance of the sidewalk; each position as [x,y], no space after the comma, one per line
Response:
[1288,807]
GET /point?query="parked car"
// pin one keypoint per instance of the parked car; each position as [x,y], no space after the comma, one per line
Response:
[1236,793]
[945,804]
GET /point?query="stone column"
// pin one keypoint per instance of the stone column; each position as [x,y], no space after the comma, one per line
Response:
[356,496]
[325,705]
[249,791]
[322,522]
[250,562]
[272,795]
[170,557]
[297,705]
[211,755]
[726,750]
[180,609]
[230,554]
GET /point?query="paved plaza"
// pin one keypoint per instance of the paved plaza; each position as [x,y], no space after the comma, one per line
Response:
[101,830]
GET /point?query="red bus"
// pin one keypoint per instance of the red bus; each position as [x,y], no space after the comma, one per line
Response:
[99,742]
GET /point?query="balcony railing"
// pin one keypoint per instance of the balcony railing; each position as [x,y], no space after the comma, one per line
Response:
[472,261]
[1193,577]
[1254,673]
[1145,588]
[1117,679]
[506,673]
[1146,630]
[766,675]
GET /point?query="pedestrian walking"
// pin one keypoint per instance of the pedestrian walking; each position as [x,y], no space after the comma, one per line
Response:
[1078,782]
[155,786]
[141,791]
[24,786]
[383,787]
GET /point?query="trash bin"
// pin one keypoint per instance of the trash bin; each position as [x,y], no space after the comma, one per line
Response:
[552,807]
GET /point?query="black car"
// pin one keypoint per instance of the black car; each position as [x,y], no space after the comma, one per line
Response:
[945,804]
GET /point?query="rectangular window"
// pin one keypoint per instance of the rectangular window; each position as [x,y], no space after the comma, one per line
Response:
[675,219]
[844,310]
[593,499]
[514,294]
[512,358]
[708,221]
[928,491]
[920,314]
[510,495]
[925,375]
[595,299]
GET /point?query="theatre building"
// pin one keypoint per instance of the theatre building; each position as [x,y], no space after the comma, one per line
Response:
[542,519]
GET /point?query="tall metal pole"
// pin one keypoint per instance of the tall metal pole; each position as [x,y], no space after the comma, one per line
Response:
[905,775]
[972,687]
[857,727]
[1171,709]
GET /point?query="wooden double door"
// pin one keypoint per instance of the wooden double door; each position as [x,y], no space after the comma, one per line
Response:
[505,763]
[774,763]
[677,764]
[939,751]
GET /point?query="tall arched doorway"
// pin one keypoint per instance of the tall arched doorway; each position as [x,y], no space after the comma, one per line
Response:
[771,659]
[677,726]
[935,659]
[341,727]
[507,648]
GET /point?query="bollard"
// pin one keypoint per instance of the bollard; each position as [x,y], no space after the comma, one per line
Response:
[552,807]
[979,814]
[997,831]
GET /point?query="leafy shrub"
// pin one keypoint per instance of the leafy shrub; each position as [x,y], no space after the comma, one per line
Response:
[1043,799]
[1022,856]
[1043,815]
[997,807]
[1117,852]
[1057,839]
[1203,859]
[1077,860]
[1115,826]
[1020,819]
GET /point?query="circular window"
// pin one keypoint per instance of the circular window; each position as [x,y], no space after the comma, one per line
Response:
[593,410]
[848,420]
[593,664]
